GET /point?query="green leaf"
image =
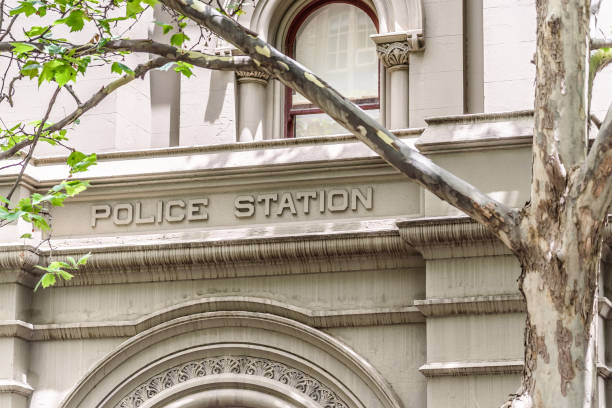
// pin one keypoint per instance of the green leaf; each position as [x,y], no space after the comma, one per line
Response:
[22,48]
[48,279]
[26,236]
[165,27]
[74,187]
[132,8]
[64,74]
[79,162]
[178,39]
[38,221]
[24,7]
[151,3]
[83,260]
[184,68]
[54,49]
[75,20]
[36,31]
[72,262]
[121,68]
[30,69]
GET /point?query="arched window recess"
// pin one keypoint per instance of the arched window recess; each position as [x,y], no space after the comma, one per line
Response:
[332,38]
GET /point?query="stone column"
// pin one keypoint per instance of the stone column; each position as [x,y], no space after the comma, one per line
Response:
[394,51]
[252,89]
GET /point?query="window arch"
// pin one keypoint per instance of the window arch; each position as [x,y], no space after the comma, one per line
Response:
[332,38]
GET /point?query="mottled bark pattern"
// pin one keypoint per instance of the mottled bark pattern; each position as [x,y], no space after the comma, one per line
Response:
[561,235]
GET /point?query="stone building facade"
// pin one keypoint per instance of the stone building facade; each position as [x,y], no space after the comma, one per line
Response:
[233,266]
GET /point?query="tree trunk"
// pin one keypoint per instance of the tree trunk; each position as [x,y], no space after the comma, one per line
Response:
[559,282]
[561,232]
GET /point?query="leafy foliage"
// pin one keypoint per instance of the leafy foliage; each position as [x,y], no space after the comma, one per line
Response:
[58,269]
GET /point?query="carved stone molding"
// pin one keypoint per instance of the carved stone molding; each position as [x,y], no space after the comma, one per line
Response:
[252,76]
[394,49]
[460,368]
[238,365]
[10,386]
[321,319]
[394,54]
[477,305]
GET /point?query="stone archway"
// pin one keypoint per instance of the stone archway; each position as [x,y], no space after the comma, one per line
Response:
[201,356]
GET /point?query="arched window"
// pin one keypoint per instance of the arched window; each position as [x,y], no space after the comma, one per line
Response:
[332,39]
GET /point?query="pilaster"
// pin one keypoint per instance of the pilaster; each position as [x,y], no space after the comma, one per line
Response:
[252,86]
[394,51]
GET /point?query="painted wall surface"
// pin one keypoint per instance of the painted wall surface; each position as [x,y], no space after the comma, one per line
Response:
[282,265]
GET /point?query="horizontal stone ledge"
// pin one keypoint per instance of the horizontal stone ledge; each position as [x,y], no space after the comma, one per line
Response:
[226,147]
[477,131]
[10,386]
[314,318]
[464,368]
[513,303]
[499,367]
[487,304]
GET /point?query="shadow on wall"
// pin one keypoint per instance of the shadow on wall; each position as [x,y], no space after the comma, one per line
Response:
[216,97]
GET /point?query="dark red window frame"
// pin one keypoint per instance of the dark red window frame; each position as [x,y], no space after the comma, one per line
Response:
[290,113]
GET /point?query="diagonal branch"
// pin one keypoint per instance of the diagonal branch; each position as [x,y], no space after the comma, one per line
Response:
[595,182]
[500,219]
[39,131]
[94,100]
[597,43]
[199,59]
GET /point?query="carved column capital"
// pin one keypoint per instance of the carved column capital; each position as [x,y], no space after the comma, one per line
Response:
[393,54]
[394,49]
[252,76]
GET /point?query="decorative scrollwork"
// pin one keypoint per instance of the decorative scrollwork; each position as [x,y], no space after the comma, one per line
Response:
[244,365]
[394,53]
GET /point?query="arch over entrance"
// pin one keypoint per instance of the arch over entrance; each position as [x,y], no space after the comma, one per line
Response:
[203,357]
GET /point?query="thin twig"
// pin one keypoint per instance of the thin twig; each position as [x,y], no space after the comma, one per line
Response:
[74,95]
[33,144]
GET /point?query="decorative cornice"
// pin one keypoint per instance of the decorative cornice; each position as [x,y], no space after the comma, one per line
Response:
[18,257]
[9,386]
[464,368]
[278,372]
[320,319]
[450,237]
[443,230]
[513,303]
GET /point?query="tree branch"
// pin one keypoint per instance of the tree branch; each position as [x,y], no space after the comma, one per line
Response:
[595,182]
[199,59]
[597,43]
[94,100]
[500,219]
[33,144]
